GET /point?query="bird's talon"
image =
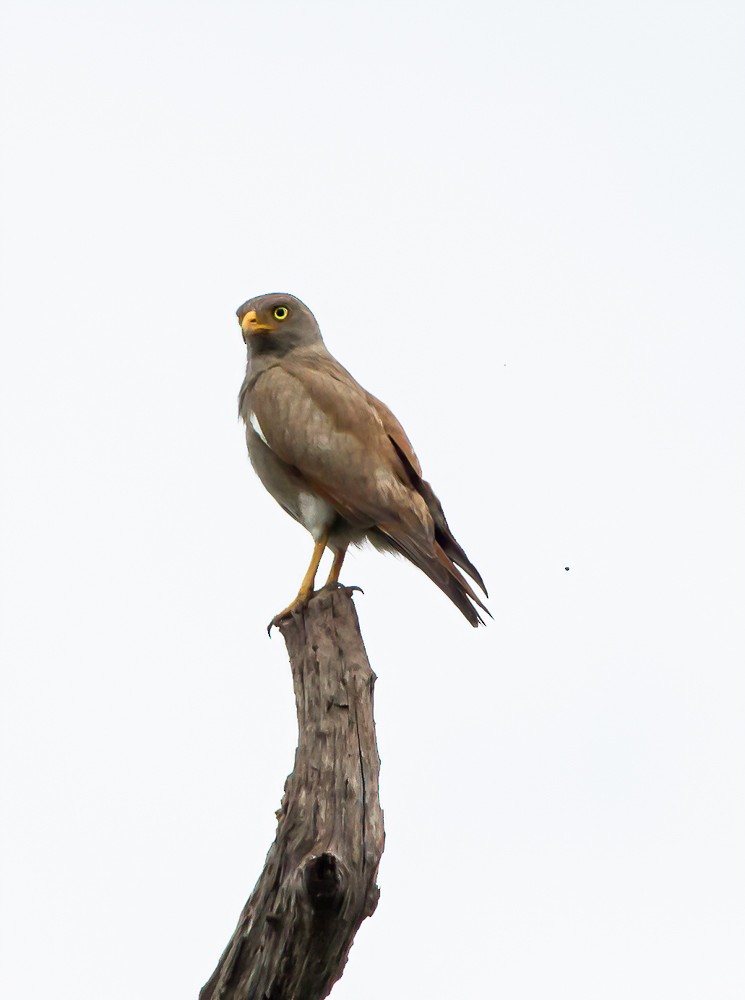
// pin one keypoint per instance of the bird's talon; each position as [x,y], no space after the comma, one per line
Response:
[292,609]
[336,585]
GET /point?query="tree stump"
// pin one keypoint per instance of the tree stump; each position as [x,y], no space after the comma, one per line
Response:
[319,880]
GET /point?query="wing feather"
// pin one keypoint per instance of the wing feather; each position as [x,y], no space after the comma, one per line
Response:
[352,451]
[323,424]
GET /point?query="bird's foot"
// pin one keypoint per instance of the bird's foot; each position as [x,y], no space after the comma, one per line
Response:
[301,602]
[335,585]
[292,609]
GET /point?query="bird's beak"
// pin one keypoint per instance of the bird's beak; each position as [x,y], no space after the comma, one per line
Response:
[250,324]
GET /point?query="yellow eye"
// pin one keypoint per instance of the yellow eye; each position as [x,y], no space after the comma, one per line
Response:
[281,312]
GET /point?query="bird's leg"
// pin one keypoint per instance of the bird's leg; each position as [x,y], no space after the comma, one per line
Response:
[333,580]
[306,587]
[336,567]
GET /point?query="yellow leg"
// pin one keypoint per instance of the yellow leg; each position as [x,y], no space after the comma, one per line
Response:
[336,567]
[306,587]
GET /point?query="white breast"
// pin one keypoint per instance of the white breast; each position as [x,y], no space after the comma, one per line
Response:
[315,514]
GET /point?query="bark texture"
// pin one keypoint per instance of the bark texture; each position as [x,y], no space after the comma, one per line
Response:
[319,880]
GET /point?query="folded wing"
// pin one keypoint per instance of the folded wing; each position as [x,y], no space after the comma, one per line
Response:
[353,452]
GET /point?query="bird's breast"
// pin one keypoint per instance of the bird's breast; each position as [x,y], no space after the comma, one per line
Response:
[286,484]
[316,514]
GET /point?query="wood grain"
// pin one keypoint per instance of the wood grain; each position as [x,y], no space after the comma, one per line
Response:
[319,880]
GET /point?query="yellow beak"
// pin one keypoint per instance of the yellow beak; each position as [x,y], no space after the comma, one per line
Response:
[250,323]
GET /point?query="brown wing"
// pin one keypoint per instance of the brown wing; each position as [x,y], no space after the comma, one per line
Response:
[319,420]
[326,365]
[354,453]
[396,433]
[443,535]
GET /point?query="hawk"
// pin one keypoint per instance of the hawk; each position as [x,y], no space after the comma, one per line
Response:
[335,457]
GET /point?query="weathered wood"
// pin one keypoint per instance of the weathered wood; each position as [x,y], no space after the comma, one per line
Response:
[319,879]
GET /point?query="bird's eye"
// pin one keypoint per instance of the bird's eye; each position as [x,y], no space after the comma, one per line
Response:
[281,312]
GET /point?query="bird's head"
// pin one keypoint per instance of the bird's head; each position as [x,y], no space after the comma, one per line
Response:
[277,322]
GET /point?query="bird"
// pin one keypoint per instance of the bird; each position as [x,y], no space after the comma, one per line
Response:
[336,458]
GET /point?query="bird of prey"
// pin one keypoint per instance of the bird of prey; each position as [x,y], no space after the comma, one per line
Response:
[335,457]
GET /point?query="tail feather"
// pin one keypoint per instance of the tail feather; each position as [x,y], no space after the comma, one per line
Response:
[441,571]
[443,535]
[446,539]
[450,568]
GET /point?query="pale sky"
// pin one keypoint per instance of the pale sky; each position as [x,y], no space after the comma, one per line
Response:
[519,224]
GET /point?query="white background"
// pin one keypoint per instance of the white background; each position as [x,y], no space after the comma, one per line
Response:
[521,225]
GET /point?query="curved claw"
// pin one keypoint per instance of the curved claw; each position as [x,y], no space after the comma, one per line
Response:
[335,585]
[278,618]
[292,609]
[300,602]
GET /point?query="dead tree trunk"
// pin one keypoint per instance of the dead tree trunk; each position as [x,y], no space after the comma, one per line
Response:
[319,880]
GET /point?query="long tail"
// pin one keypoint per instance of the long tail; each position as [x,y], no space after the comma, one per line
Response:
[446,539]
[439,562]
[441,570]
